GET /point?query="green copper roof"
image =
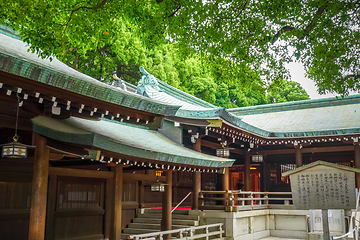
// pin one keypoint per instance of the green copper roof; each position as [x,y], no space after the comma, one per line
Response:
[318,117]
[296,105]
[15,59]
[124,139]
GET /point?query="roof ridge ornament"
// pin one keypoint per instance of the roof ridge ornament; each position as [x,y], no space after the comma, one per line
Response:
[118,82]
[147,79]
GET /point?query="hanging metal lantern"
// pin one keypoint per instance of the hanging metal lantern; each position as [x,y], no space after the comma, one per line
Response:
[257,158]
[158,186]
[223,152]
[15,149]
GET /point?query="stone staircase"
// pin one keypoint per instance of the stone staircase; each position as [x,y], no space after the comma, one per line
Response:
[149,221]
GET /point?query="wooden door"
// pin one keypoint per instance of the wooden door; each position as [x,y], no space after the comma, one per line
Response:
[130,202]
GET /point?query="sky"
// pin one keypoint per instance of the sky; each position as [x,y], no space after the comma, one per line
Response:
[298,75]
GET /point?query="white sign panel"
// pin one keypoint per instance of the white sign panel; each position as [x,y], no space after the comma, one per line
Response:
[323,189]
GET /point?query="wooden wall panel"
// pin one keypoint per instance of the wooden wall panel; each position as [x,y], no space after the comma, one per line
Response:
[78,226]
[79,209]
[127,216]
[15,198]
[16,229]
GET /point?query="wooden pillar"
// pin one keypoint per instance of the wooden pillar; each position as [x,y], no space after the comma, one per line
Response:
[357,162]
[166,205]
[141,194]
[109,208]
[196,190]
[118,201]
[225,179]
[298,156]
[266,178]
[278,172]
[225,183]
[196,180]
[247,184]
[51,207]
[39,190]
[175,188]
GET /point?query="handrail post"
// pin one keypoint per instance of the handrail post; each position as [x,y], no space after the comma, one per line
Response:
[243,201]
[266,195]
[231,199]
[201,199]
[252,200]
[220,228]
[207,233]
[191,233]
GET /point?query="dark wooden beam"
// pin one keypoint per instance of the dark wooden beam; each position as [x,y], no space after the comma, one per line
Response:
[9,122]
[308,150]
[71,172]
[218,145]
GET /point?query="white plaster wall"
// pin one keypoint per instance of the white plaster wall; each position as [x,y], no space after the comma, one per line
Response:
[257,224]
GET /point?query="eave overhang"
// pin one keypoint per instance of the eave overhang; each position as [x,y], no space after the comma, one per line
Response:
[139,142]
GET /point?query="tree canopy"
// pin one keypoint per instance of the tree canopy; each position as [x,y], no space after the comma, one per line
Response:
[286,91]
[324,35]
[259,37]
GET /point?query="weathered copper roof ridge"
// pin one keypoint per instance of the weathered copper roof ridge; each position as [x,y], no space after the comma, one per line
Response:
[184,96]
[296,105]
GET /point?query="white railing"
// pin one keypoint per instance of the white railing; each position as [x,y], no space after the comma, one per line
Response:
[189,233]
[242,199]
[181,202]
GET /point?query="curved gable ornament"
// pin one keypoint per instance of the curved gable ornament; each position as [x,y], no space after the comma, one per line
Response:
[147,80]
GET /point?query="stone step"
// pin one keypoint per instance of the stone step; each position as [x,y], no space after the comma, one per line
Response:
[174,216]
[174,221]
[153,226]
[158,211]
[135,231]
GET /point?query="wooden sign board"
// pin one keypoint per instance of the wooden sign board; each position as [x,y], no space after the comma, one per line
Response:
[323,187]
[214,123]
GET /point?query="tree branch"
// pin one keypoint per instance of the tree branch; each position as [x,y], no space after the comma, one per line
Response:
[307,29]
[243,8]
[70,49]
[101,4]
[313,22]
[76,60]
[176,10]
[281,31]
[355,76]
